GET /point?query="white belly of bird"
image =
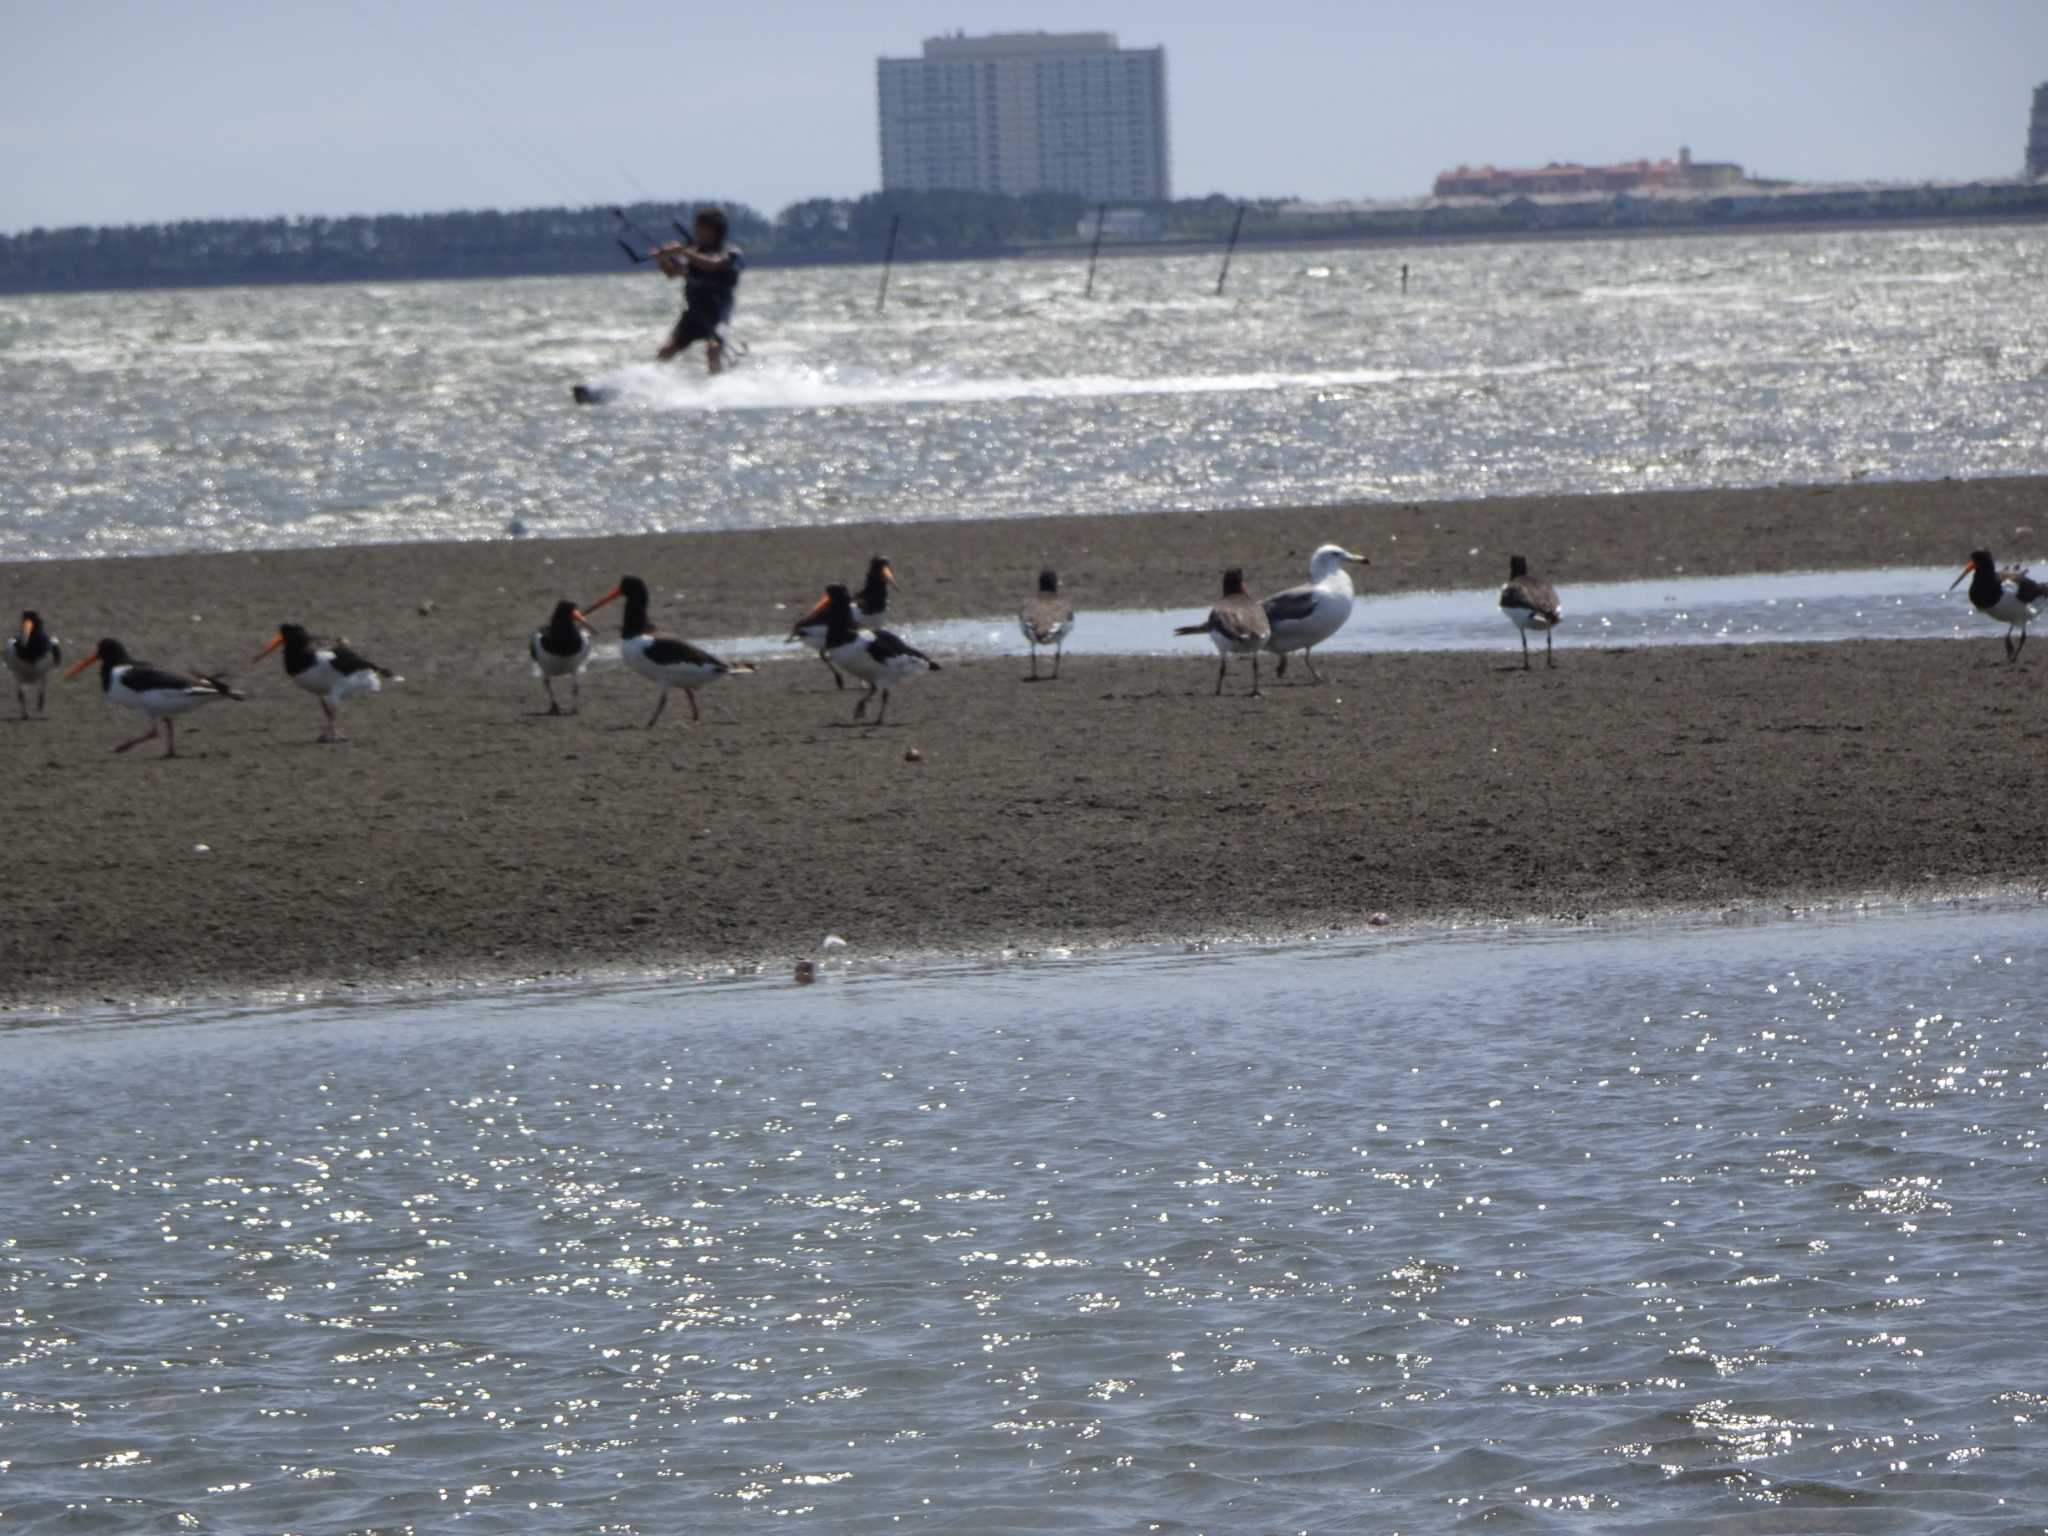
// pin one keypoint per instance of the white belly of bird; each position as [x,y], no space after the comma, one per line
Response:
[856,660]
[1322,621]
[30,671]
[1528,618]
[1232,645]
[675,674]
[323,678]
[547,664]
[158,702]
[2009,609]
[1053,635]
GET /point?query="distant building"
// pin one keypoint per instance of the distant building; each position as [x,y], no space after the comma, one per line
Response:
[1684,174]
[2037,135]
[1026,112]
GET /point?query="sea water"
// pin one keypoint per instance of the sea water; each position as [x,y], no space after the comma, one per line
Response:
[277,417]
[1707,1226]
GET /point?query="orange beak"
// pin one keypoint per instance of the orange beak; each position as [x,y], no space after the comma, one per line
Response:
[95,656]
[28,628]
[578,616]
[275,641]
[818,611]
[1967,570]
[889,575]
[615,592]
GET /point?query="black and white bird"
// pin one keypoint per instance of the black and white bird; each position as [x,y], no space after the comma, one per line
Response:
[880,658]
[1237,625]
[1046,620]
[2012,598]
[1304,617]
[32,655]
[1530,604]
[330,671]
[562,649]
[663,659]
[151,691]
[870,606]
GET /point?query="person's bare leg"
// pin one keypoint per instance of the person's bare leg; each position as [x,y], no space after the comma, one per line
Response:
[714,356]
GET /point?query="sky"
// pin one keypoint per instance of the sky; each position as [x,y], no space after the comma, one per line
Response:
[122,111]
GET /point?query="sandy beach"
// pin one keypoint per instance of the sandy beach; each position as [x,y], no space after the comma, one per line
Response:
[463,834]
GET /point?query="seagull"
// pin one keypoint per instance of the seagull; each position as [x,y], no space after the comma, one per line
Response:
[151,691]
[1237,625]
[562,650]
[879,658]
[1046,620]
[32,656]
[671,663]
[1530,604]
[330,672]
[1304,617]
[870,604]
[2010,597]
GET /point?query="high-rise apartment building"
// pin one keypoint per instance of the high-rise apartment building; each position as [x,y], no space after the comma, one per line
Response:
[1026,112]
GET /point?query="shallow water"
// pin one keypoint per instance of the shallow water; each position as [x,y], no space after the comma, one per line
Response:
[216,419]
[1705,1226]
[1801,607]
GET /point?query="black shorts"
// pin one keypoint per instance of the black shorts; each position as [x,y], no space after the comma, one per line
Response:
[699,323]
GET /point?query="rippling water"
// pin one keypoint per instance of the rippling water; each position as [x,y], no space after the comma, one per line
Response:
[290,416]
[1725,1228]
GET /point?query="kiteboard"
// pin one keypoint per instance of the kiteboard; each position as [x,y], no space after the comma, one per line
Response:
[592,394]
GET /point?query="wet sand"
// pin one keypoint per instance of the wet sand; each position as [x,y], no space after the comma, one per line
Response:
[463,834]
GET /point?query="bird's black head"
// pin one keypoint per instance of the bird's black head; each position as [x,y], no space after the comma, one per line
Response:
[1048,580]
[874,592]
[111,652]
[566,614]
[838,599]
[1517,567]
[30,620]
[1233,582]
[295,635]
[1981,558]
[633,589]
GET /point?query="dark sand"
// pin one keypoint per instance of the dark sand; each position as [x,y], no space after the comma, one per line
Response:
[461,834]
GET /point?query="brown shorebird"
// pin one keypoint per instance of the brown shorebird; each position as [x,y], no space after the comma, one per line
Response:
[1530,604]
[1237,626]
[1046,619]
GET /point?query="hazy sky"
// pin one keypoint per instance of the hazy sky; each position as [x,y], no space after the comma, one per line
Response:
[122,110]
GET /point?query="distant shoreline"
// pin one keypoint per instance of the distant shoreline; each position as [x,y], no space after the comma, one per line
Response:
[1077,251]
[462,835]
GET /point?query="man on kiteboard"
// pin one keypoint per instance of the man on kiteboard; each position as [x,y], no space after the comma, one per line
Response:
[710,271]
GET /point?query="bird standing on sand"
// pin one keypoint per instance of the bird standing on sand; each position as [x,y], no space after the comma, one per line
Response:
[330,672]
[1304,617]
[662,659]
[1530,604]
[1046,620]
[870,605]
[1237,626]
[879,658]
[151,691]
[32,656]
[562,649]
[2009,597]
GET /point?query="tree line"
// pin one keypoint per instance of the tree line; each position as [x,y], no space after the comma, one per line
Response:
[538,241]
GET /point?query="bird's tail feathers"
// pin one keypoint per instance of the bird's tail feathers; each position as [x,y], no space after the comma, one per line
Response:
[221,686]
[1193,629]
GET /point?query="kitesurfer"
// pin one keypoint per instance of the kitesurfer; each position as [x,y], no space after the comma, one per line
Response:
[709,267]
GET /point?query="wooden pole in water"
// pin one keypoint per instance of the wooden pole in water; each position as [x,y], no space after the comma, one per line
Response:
[1224,276]
[1095,250]
[888,257]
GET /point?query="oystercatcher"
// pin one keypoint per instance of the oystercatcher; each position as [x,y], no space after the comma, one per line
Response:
[332,673]
[2010,597]
[562,649]
[671,663]
[1530,604]
[151,691]
[870,604]
[32,656]
[1237,625]
[1304,617]
[1046,620]
[880,658]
